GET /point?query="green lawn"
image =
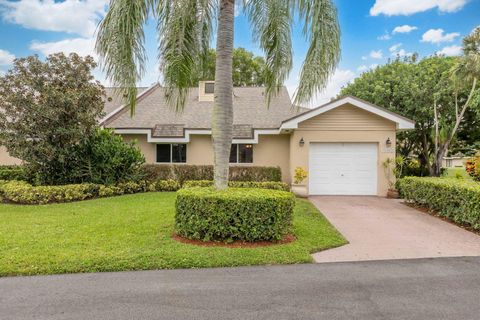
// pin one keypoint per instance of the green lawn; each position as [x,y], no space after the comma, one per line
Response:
[452,173]
[133,232]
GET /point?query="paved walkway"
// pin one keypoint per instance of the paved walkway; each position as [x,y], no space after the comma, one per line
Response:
[379,228]
[427,289]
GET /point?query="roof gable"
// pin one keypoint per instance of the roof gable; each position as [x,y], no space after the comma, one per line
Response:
[401,122]
[249,109]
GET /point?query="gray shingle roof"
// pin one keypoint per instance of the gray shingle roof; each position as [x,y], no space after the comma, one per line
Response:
[250,112]
[114,100]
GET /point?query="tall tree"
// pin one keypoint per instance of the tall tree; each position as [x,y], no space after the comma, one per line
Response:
[248,69]
[48,108]
[465,75]
[185,28]
[425,92]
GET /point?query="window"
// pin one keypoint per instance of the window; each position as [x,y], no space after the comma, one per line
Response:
[241,153]
[209,87]
[175,152]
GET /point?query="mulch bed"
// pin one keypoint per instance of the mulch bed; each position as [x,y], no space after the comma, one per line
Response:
[439,216]
[236,244]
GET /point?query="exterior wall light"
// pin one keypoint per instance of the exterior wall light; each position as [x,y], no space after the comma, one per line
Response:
[301,143]
[388,143]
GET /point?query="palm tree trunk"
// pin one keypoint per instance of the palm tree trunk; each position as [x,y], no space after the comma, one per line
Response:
[222,118]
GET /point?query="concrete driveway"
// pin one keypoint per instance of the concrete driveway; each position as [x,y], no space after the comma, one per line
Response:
[379,228]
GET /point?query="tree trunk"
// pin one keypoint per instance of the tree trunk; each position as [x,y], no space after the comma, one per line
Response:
[222,118]
[440,152]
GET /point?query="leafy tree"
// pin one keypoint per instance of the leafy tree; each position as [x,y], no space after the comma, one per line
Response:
[105,158]
[185,28]
[46,108]
[248,69]
[425,92]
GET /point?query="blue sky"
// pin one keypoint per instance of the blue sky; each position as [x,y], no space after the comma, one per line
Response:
[373,31]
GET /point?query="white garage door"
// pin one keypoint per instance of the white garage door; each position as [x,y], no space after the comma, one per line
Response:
[343,169]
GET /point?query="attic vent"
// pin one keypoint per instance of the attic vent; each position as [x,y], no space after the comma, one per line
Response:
[209,87]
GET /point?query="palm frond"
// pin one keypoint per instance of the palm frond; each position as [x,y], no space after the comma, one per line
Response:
[271,24]
[185,28]
[120,44]
[322,31]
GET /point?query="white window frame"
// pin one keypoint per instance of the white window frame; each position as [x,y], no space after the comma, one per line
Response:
[171,153]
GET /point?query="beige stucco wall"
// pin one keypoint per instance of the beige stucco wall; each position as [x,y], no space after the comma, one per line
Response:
[148,149]
[6,159]
[344,124]
[271,150]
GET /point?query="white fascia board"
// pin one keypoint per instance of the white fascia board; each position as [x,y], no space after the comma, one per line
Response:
[189,132]
[401,122]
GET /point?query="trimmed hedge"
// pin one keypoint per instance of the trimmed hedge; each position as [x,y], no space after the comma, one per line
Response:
[185,172]
[458,200]
[23,193]
[12,173]
[240,184]
[233,214]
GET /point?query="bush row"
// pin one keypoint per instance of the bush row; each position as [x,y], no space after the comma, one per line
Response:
[245,214]
[240,184]
[455,199]
[12,173]
[184,172]
[23,193]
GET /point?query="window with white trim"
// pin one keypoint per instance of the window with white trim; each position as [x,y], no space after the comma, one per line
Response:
[241,153]
[172,153]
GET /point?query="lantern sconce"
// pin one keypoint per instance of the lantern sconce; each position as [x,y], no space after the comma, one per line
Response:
[301,142]
[388,143]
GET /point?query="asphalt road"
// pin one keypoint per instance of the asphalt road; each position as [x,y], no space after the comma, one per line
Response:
[441,288]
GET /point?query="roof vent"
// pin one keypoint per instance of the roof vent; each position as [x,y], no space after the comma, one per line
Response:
[206,90]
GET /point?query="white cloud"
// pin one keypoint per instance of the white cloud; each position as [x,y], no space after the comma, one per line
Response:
[385,36]
[339,79]
[6,58]
[438,36]
[71,16]
[376,54]
[402,53]
[364,68]
[404,29]
[81,46]
[408,7]
[395,47]
[450,51]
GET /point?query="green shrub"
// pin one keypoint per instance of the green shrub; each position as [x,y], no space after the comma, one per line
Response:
[12,173]
[166,185]
[24,193]
[234,214]
[458,200]
[102,158]
[240,184]
[105,158]
[185,172]
[259,174]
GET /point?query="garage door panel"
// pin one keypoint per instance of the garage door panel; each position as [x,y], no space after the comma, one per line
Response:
[343,168]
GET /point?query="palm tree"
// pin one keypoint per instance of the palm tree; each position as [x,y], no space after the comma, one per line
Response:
[185,28]
[466,72]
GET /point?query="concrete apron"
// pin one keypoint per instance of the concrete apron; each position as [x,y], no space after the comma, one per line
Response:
[379,228]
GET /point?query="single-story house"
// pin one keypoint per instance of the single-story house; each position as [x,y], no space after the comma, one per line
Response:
[455,161]
[342,144]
